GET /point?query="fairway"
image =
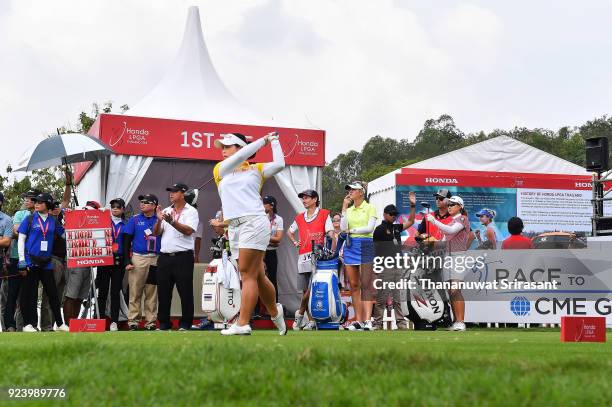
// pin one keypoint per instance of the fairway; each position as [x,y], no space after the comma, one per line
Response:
[482,367]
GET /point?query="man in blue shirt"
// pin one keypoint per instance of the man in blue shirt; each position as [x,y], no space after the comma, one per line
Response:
[144,246]
[35,245]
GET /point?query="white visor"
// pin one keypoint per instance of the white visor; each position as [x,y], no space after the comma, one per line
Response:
[229,139]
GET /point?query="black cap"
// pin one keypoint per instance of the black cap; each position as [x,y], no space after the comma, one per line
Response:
[309,192]
[391,210]
[149,197]
[179,186]
[33,193]
[270,200]
[118,201]
[44,197]
[444,193]
[56,205]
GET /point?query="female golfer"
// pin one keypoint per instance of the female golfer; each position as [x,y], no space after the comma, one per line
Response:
[456,237]
[359,221]
[239,185]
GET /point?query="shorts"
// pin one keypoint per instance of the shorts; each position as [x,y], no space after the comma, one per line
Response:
[78,281]
[303,282]
[454,273]
[358,250]
[249,232]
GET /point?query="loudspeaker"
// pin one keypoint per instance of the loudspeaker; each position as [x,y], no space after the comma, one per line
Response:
[597,154]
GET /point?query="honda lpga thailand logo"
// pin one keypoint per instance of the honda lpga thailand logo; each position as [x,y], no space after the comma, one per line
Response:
[442,180]
[307,147]
[134,136]
[89,220]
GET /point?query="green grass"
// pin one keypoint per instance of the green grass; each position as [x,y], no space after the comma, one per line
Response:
[478,367]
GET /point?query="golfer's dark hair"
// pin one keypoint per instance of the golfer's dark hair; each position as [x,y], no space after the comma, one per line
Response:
[515,225]
[243,138]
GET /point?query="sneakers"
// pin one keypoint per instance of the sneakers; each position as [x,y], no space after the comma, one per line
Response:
[62,328]
[310,326]
[236,329]
[29,328]
[113,327]
[355,326]
[367,326]
[297,322]
[458,326]
[279,320]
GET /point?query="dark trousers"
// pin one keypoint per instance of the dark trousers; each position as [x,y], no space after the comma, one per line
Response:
[14,284]
[271,262]
[171,270]
[29,295]
[110,276]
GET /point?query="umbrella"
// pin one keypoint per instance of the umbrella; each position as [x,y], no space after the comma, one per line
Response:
[63,149]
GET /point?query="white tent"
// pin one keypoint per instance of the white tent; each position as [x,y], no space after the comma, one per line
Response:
[500,154]
[192,90]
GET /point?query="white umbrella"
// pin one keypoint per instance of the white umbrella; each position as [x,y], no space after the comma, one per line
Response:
[63,149]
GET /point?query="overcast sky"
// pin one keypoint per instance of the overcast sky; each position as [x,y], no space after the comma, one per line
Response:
[354,68]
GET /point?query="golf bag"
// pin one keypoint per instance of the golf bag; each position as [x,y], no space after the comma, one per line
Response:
[220,303]
[325,303]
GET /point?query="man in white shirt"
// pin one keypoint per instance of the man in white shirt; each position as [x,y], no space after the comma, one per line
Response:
[176,225]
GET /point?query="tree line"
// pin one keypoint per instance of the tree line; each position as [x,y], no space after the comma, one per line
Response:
[381,155]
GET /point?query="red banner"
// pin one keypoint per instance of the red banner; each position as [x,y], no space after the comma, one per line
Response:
[417,176]
[583,329]
[88,238]
[194,140]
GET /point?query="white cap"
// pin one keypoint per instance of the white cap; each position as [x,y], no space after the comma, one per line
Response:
[355,185]
[456,199]
[229,139]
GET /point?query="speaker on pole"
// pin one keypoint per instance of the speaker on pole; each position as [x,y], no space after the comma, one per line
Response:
[597,153]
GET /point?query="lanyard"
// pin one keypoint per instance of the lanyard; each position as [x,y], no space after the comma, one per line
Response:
[116,232]
[174,212]
[43,230]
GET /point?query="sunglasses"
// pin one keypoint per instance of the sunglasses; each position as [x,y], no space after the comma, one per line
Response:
[147,202]
[453,204]
[440,198]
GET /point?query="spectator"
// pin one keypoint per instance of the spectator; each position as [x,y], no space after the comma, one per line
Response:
[144,246]
[58,259]
[387,243]
[112,276]
[428,229]
[312,224]
[457,239]
[276,234]
[359,221]
[6,234]
[486,217]
[78,282]
[35,246]
[12,315]
[177,225]
[516,240]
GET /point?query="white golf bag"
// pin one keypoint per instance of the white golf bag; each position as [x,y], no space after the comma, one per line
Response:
[325,303]
[220,303]
[426,308]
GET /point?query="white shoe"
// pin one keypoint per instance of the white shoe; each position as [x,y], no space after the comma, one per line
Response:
[458,326]
[113,327]
[367,326]
[355,326]
[236,329]
[297,322]
[63,328]
[29,328]
[310,326]
[279,320]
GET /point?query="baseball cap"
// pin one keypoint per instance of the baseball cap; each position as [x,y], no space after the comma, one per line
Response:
[179,186]
[309,192]
[391,210]
[44,197]
[457,200]
[444,193]
[149,197]
[93,204]
[231,139]
[33,193]
[270,200]
[490,213]
[118,201]
[355,185]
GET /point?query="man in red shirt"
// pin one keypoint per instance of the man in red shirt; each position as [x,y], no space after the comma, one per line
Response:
[441,214]
[516,240]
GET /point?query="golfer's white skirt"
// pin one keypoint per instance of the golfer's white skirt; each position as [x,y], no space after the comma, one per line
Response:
[249,232]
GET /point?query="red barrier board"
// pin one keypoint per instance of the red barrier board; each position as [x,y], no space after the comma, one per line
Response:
[88,238]
[583,329]
[87,325]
